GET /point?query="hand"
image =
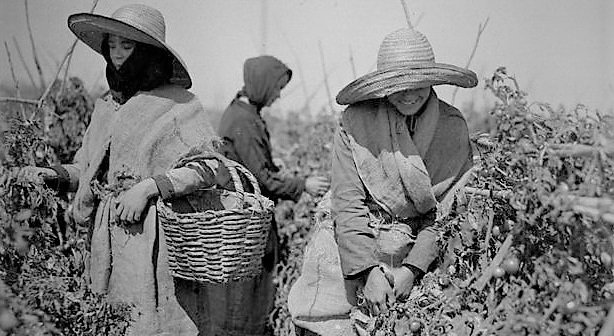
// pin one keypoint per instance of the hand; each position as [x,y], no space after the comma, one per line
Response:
[129,206]
[36,174]
[377,291]
[403,282]
[316,185]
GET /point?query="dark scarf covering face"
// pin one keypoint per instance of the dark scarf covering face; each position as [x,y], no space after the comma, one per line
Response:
[147,68]
[261,74]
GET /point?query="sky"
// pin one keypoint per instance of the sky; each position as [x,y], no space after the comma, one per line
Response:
[561,51]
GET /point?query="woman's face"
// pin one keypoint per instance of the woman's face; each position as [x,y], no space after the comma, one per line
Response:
[120,49]
[409,102]
[277,89]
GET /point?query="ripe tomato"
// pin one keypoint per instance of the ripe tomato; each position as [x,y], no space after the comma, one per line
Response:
[564,187]
[606,259]
[415,326]
[496,231]
[511,265]
[498,272]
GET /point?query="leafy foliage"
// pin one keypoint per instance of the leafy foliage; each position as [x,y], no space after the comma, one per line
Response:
[43,278]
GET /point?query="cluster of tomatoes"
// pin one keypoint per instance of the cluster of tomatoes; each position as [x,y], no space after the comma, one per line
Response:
[510,265]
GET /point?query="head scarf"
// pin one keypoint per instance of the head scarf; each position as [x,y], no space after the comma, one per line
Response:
[147,68]
[260,75]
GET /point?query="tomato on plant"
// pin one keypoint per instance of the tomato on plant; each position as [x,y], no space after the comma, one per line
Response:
[511,265]
[498,272]
[564,187]
[415,326]
[496,231]
[606,259]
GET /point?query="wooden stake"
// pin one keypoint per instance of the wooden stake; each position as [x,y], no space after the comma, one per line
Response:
[496,261]
[24,64]
[41,100]
[330,99]
[17,92]
[407,16]
[481,29]
[352,63]
[34,53]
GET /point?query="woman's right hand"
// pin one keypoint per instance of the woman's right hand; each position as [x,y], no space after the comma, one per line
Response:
[316,185]
[36,174]
[377,291]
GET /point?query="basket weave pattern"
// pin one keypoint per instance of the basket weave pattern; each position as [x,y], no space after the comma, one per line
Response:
[217,246]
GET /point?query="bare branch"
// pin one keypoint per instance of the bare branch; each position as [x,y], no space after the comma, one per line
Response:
[18,100]
[496,261]
[34,53]
[352,63]
[303,85]
[417,22]
[577,150]
[503,194]
[70,52]
[66,57]
[481,29]
[24,64]
[407,16]
[330,100]
[17,91]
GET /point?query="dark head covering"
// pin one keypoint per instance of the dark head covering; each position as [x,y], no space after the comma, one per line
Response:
[260,75]
[147,68]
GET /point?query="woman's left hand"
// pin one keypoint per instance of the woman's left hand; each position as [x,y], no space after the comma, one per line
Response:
[403,282]
[129,206]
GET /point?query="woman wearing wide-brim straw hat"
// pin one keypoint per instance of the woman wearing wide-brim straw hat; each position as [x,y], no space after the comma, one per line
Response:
[398,150]
[146,122]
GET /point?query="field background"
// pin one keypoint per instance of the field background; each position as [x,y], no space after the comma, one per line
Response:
[528,242]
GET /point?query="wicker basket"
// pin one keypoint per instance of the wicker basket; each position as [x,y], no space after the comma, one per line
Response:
[217,246]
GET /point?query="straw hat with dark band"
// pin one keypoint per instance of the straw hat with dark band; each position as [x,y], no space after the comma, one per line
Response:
[405,61]
[135,22]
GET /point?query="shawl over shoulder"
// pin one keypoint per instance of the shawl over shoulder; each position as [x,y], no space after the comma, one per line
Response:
[143,138]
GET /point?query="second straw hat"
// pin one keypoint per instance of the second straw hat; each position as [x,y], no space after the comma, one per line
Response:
[405,61]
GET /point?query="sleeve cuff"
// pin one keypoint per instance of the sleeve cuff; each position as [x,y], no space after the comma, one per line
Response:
[62,181]
[165,186]
[418,272]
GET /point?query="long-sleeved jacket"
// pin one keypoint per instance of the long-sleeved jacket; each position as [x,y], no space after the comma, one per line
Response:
[352,204]
[246,140]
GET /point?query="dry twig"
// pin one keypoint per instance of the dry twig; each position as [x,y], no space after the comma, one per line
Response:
[34,53]
[407,16]
[352,63]
[496,261]
[67,56]
[330,99]
[503,194]
[579,150]
[24,64]
[481,29]
[17,92]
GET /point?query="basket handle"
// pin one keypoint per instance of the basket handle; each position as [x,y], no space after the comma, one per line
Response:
[232,167]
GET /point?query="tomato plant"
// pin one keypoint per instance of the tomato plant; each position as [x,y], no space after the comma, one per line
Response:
[43,253]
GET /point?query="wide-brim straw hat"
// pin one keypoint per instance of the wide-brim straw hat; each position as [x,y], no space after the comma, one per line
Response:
[405,61]
[136,22]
